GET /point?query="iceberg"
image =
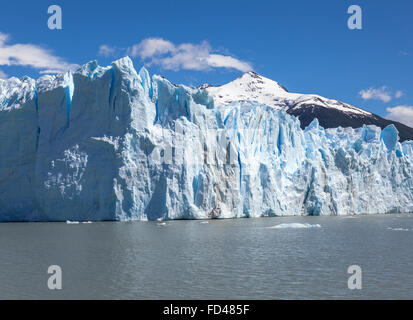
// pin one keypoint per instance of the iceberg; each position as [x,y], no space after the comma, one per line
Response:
[111,143]
[295,226]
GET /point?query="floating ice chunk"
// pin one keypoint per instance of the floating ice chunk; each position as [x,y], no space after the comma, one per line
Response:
[72,222]
[295,226]
[397,229]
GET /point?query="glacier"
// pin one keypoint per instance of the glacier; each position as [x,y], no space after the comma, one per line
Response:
[111,143]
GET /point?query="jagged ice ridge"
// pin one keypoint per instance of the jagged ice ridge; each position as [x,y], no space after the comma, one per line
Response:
[108,143]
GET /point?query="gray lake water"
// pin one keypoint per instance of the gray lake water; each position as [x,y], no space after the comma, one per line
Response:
[221,259]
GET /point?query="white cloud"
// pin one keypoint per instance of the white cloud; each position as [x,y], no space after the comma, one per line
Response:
[377,94]
[106,51]
[220,61]
[30,55]
[3,75]
[399,94]
[3,38]
[151,47]
[403,114]
[185,56]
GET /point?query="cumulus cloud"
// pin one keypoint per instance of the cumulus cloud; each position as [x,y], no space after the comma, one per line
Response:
[151,47]
[30,55]
[382,94]
[399,94]
[220,61]
[403,114]
[187,56]
[106,51]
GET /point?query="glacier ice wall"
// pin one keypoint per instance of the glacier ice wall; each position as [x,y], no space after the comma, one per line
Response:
[113,144]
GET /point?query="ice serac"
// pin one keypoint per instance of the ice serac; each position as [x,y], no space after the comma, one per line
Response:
[110,143]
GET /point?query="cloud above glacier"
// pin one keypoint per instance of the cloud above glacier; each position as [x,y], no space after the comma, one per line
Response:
[399,94]
[185,56]
[31,55]
[382,94]
[403,114]
[106,51]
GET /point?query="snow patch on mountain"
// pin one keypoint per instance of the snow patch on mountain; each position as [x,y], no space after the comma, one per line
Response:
[253,87]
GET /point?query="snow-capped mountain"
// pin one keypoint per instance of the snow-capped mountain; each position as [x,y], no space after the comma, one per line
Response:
[111,143]
[330,113]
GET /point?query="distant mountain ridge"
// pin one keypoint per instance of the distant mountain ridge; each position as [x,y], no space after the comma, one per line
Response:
[329,112]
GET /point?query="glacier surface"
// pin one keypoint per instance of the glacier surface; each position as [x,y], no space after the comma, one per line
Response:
[110,143]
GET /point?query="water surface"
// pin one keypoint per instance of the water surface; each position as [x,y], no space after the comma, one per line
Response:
[221,259]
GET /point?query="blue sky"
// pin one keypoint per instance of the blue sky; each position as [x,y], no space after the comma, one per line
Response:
[304,45]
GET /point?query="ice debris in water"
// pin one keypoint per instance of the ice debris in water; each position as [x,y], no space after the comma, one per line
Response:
[72,222]
[295,226]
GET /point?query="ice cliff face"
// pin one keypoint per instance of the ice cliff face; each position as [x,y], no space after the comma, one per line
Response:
[113,144]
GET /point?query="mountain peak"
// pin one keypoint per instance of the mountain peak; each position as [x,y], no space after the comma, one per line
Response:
[254,79]
[251,73]
[254,87]
[249,86]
